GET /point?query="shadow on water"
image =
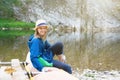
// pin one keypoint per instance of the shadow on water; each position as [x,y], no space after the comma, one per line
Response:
[83,50]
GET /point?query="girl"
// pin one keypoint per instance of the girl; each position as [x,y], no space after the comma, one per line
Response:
[42,53]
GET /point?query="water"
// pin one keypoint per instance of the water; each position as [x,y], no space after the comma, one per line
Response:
[99,50]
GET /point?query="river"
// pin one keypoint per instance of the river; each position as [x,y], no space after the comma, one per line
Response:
[83,50]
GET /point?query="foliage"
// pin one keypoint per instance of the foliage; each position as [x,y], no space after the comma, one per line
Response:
[12,23]
[6,8]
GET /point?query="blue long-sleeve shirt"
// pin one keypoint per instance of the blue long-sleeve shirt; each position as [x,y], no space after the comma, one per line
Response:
[39,48]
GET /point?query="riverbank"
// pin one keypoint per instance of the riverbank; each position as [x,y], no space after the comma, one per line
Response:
[88,74]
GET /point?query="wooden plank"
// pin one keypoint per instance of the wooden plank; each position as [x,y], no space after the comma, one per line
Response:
[19,74]
[4,75]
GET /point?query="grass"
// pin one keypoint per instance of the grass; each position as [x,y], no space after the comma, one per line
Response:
[12,23]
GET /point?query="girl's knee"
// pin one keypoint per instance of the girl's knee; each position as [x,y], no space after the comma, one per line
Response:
[57,48]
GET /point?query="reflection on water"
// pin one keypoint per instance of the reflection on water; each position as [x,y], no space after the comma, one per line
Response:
[98,51]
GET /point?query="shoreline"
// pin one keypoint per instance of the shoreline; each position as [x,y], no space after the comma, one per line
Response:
[88,74]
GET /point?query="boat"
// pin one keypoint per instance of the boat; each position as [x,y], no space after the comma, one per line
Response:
[16,70]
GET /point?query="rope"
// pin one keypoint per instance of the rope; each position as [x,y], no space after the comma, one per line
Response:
[30,75]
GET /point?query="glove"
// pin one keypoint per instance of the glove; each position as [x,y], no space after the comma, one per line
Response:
[45,63]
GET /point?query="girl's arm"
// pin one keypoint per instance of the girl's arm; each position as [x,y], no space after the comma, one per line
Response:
[35,53]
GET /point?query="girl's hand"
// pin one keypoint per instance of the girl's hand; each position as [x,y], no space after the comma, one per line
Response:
[46,69]
[49,69]
[62,58]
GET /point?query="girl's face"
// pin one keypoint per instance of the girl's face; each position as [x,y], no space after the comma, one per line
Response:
[42,30]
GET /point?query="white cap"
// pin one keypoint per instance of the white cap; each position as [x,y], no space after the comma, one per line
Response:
[41,22]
